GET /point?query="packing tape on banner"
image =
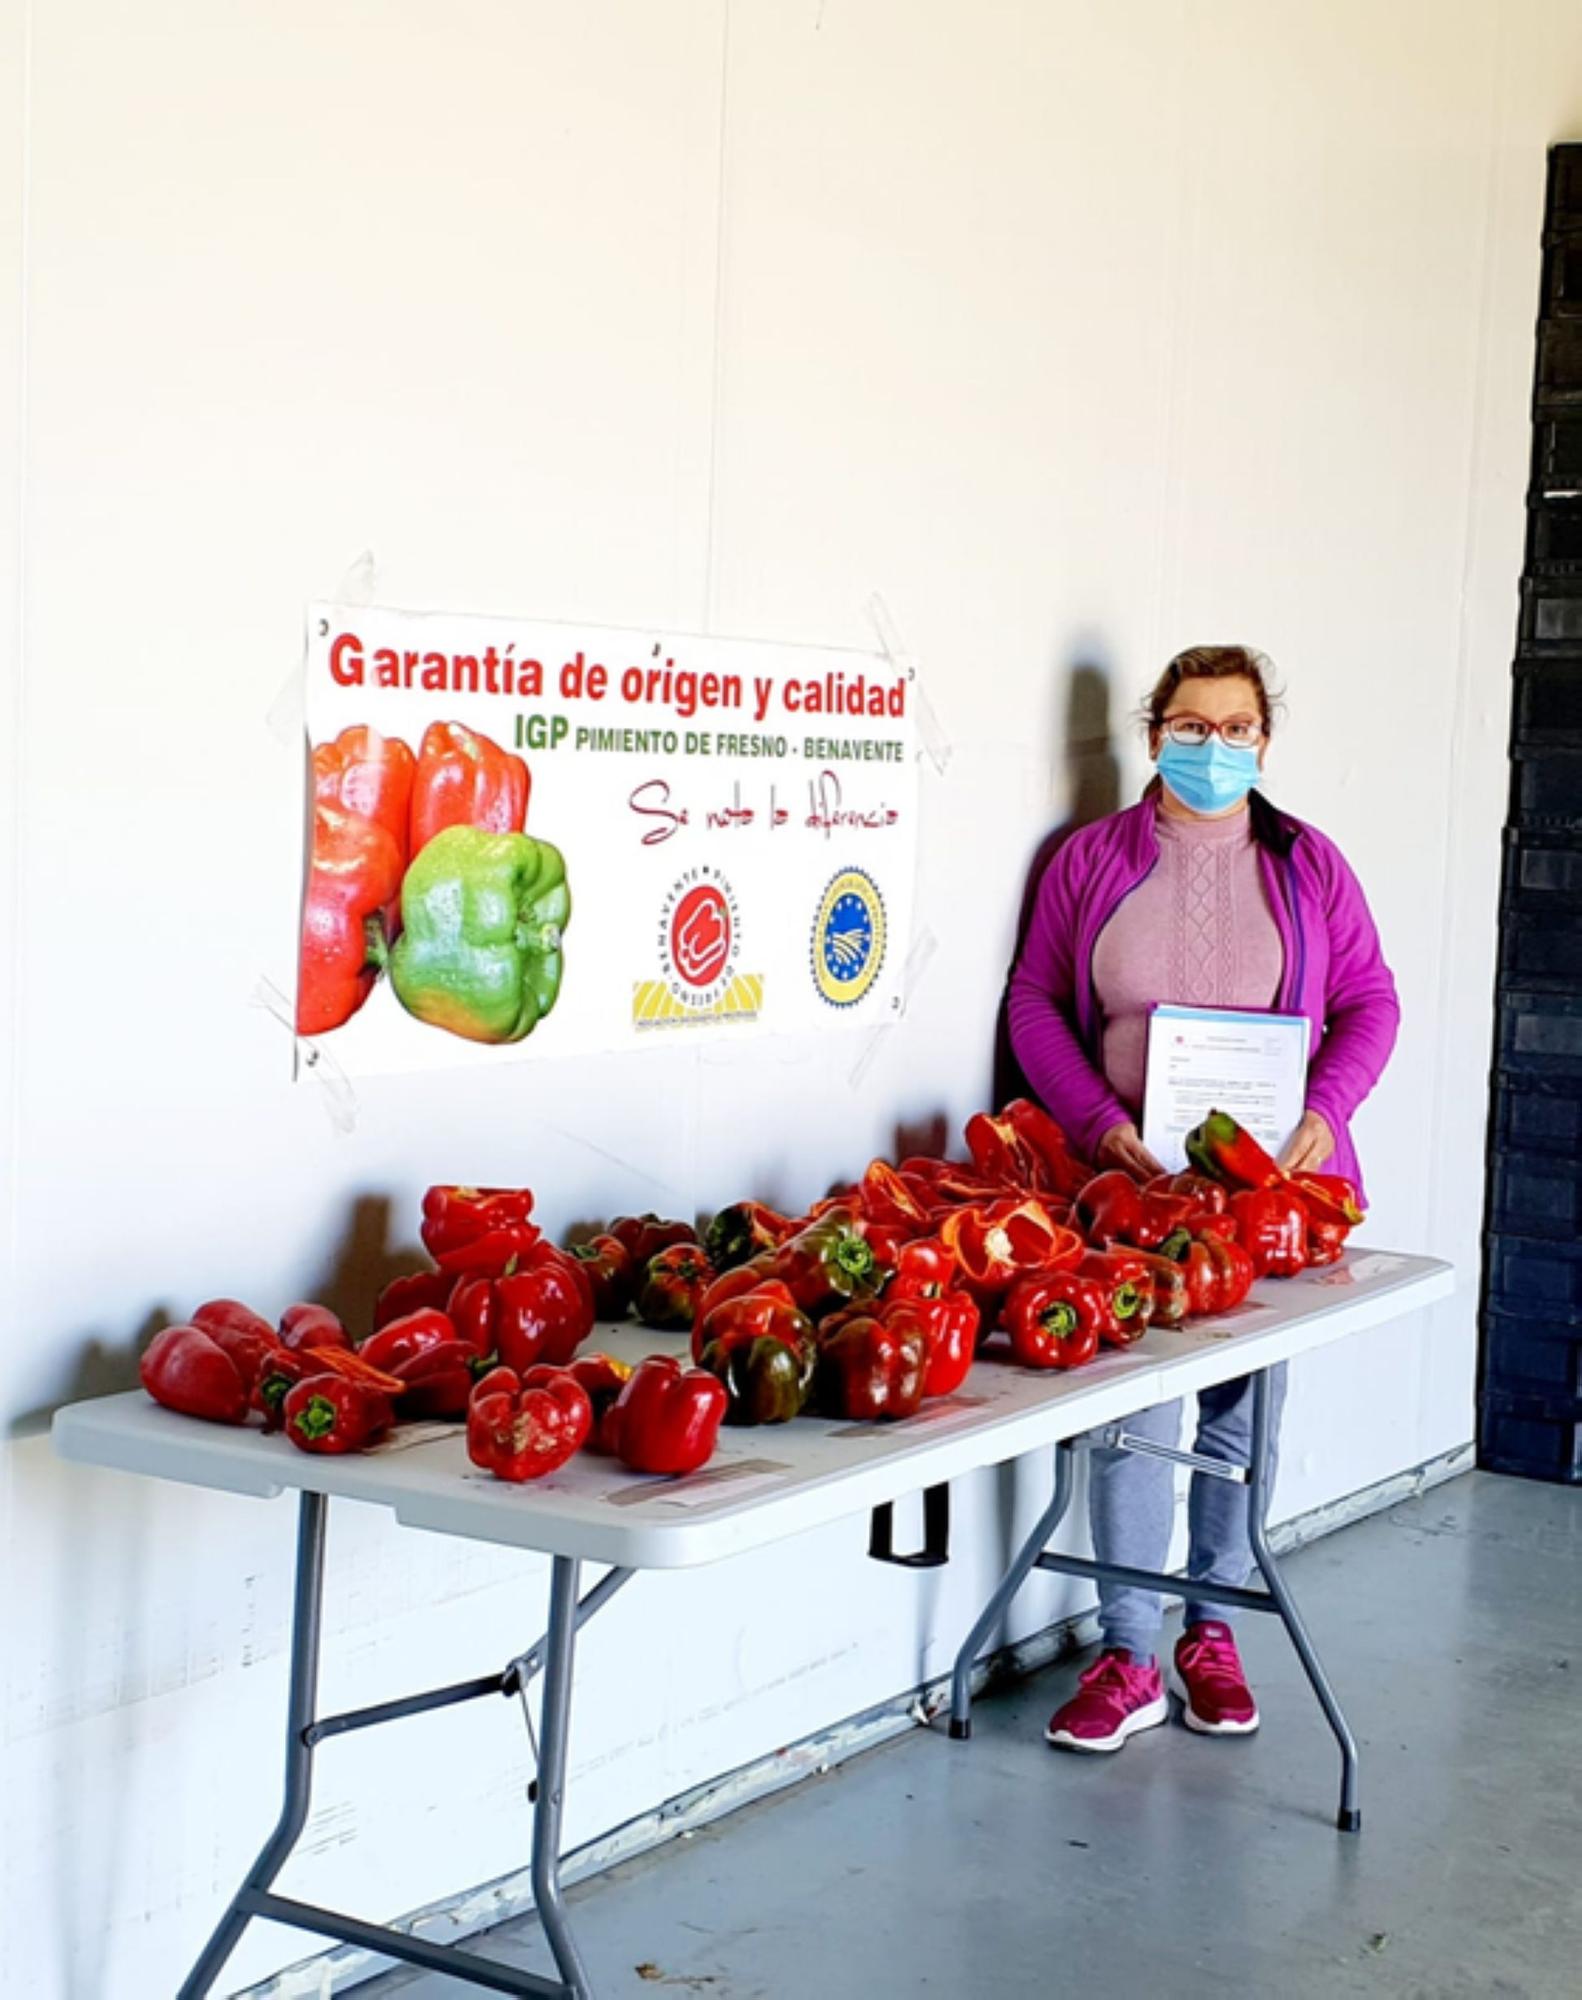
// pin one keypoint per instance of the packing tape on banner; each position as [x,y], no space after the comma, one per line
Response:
[918,960]
[287,713]
[340,1099]
[936,744]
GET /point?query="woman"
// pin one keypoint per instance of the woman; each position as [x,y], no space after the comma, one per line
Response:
[1203,895]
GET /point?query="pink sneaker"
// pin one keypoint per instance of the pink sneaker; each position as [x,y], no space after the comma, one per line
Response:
[1114,1699]
[1215,1697]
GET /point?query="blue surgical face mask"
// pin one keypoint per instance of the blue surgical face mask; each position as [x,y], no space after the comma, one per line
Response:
[1209,777]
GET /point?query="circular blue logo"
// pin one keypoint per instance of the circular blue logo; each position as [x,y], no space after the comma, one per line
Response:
[848,938]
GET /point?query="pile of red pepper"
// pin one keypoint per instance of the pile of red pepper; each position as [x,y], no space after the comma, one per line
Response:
[881,1295]
[876,1299]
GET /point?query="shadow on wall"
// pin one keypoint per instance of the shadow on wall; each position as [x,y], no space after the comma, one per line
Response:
[1084,751]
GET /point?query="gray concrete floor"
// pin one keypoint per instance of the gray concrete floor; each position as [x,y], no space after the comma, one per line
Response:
[1181,1869]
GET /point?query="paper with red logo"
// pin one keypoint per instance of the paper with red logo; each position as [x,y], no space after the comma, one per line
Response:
[533,838]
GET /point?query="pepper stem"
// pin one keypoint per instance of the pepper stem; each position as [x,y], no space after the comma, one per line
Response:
[317,1419]
[1059,1319]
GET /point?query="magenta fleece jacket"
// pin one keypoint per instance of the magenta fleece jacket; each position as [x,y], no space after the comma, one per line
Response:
[1334,972]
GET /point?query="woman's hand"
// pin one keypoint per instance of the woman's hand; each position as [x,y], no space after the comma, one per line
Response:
[1122,1147]
[1309,1146]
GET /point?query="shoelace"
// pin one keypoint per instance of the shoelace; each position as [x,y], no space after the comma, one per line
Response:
[1212,1660]
[1108,1671]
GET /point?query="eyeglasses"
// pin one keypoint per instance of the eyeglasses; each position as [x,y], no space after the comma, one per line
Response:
[1193,731]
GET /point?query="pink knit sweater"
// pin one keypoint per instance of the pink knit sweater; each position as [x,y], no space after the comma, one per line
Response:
[1197,933]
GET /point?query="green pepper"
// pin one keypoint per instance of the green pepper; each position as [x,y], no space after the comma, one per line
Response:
[482,917]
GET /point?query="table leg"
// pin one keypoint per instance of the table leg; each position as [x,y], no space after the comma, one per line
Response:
[559,1653]
[994,1610]
[305,1623]
[1349,1818]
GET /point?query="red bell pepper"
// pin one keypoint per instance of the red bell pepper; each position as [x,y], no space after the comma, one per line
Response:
[1022,1147]
[1272,1228]
[1329,1198]
[424,1352]
[752,1310]
[924,1269]
[353,893]
[949,1326]
[667,1418]
[996,1244]
[603,1378]
[288,1366]
[477,1230]
[364,772]
[1110,1208]
[1208,1197]
[609,1270]
[1055,1321]
[672,1286]
[882,1197]
[834,1260]
[1128,1289]
[522,1426]
[187,1369]
[465,779]
[540,1310]
[306,1325]
[1171,1301]
[1326,1242]
[743,1231]
[420,1292]
[1219,1273]
[644,1236]
[328,1413]
[246,1336]
[767,1371]
[749,1277]
[870,1368]
[278,1377]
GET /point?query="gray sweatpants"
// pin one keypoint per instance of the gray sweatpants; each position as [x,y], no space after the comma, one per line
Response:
[1131,1509]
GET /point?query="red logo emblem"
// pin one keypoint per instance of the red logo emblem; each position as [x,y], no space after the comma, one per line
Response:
[700,935]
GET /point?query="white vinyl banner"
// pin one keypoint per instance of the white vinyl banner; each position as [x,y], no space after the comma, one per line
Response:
[533,838]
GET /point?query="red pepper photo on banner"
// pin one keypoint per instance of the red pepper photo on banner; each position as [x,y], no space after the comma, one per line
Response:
[464,779]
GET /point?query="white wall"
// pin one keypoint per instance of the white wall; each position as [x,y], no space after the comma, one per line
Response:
[1082,333]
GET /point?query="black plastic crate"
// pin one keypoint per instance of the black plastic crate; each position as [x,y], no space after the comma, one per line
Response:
[1540,1034]
[1538,1356]
[1530,1436]
[1551,614]
[1546,786]
[1563,197]
[1547,948]
[1559,380]
[1548,707]
[1536,1115]
[1536,1195]
[1527,1275]
[1557,459]
[1562,282]
[1543,874]
[1554,535]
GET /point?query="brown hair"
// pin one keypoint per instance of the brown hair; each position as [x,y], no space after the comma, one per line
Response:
[1214,663]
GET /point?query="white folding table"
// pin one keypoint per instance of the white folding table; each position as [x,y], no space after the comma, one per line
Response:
[761,1486]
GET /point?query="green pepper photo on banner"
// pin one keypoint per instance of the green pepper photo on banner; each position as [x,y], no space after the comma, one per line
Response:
[482,918]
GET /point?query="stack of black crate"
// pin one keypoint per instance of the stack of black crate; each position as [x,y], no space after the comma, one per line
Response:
[1530,1415]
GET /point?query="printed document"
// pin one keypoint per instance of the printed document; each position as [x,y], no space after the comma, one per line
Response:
[1203,1059]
